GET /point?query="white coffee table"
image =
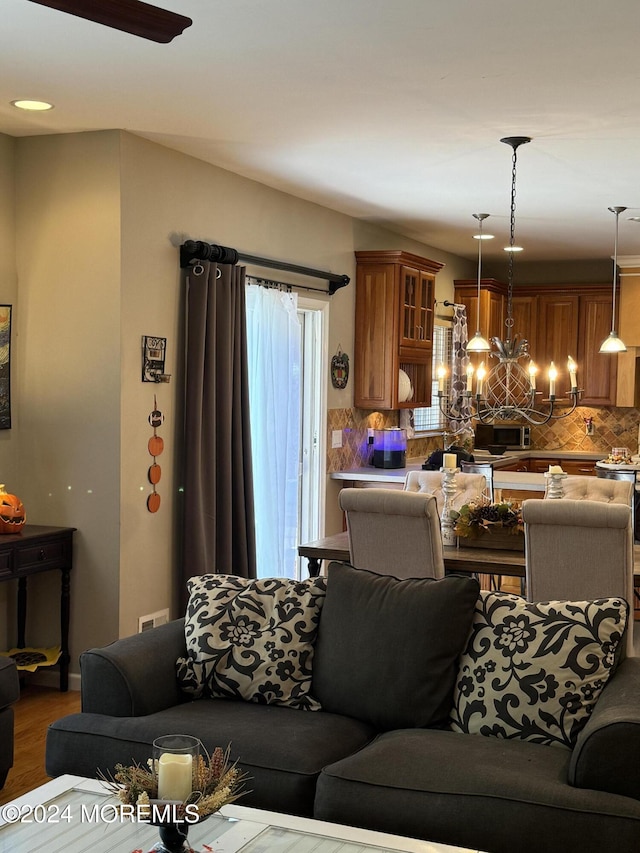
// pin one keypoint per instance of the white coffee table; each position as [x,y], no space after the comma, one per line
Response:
[77,815]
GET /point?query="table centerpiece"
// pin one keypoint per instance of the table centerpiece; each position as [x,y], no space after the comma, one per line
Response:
[494,525]
[210,782]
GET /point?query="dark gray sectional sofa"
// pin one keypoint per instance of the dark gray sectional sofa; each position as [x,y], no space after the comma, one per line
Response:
[359,762]
[9,693]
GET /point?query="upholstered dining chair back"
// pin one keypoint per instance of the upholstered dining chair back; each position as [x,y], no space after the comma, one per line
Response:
[579,550]
[469,487]
[604,490]
[393,532]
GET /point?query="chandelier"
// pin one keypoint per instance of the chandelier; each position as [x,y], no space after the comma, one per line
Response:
[506,392]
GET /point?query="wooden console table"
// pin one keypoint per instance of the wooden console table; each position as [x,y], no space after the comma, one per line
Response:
[40,549]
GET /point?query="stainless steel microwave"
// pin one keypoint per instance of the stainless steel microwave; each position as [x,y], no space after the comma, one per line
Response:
[511,436]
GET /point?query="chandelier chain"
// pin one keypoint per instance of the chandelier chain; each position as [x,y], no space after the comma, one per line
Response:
[512,237]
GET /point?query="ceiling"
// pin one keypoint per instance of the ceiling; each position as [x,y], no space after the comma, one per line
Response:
[386,110]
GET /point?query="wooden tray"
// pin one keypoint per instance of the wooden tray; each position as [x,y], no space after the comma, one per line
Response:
[497,539]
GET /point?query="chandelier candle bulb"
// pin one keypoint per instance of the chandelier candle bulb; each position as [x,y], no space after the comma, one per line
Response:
[441,373]
[532,375]
[572,367]
[480,375]
[174,776]
[469,378]
[553,375]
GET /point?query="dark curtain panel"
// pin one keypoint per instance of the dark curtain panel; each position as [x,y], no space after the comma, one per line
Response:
[218,527]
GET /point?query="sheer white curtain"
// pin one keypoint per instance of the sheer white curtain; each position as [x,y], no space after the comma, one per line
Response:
[273,349]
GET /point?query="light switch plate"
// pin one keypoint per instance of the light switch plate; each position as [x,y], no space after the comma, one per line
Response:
[336,438]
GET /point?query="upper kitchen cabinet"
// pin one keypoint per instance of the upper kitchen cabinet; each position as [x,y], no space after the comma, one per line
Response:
[395,300]
[557,334]
[490,321]
[558,321]
[574,321]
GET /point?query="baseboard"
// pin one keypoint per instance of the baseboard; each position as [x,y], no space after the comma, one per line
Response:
[52,679]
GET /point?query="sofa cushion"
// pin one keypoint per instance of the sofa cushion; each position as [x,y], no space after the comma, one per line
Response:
[506,796]
[280,748]
[534,671]
[251,639]
[387,649]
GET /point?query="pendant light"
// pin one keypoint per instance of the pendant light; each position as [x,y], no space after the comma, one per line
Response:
[613,344]
[478,343]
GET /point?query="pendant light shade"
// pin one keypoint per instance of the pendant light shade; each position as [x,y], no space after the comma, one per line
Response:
[612,343]
[478,343]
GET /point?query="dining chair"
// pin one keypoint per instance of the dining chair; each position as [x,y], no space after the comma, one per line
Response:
[604,475]
[469,487]
[393,532]
[579,550]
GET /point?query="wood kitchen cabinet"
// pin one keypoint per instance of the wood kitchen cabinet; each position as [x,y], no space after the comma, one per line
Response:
[560,321]
[492,308]
[395,301]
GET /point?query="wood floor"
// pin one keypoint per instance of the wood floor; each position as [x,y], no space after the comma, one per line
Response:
[36,708]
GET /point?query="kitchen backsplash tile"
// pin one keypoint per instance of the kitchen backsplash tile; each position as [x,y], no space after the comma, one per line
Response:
[613,427]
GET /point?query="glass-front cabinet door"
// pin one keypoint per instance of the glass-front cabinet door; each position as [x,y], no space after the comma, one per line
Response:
[416,327]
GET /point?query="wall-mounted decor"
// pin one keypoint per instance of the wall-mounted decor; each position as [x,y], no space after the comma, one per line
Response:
[156,446]
[153,357]
[5,366]
[340,369]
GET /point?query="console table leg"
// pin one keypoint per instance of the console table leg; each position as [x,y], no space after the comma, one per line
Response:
[22,611]
[65,608]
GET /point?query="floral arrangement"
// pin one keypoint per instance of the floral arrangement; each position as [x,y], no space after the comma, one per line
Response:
[474,519]
[216,783]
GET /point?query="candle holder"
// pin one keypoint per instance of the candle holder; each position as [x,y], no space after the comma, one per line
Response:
[175,761]
[554,485]
[449,490]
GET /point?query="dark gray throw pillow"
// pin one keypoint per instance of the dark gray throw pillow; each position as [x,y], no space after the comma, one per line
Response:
[387,649]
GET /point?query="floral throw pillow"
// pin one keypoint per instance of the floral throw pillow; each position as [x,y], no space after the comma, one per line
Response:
[251,640]
[533,671]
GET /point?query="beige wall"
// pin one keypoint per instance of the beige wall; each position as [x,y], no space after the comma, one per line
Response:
[9,462]
[68,370]
[99,218]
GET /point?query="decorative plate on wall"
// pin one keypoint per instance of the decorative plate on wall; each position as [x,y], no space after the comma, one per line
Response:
[340,369]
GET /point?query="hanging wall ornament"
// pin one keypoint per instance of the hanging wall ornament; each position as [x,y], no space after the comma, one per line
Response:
[340,369]
[156,446]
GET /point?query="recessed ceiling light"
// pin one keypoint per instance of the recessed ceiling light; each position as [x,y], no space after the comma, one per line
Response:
[35,106]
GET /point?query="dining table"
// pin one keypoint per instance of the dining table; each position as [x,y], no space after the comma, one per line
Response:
[457,558]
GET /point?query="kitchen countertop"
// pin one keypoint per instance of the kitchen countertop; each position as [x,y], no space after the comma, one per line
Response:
[524,481]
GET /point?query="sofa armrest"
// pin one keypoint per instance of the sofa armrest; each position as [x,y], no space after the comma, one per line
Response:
[606,756]
[136,675]
[9,682]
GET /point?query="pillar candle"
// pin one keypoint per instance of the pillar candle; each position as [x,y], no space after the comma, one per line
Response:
[450,460]
[174,776]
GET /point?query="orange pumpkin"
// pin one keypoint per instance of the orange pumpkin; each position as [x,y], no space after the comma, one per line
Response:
[12,512]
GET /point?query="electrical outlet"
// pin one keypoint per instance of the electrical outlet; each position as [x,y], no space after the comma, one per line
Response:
[336,438]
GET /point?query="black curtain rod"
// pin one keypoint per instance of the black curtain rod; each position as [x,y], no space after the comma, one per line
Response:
[197,250]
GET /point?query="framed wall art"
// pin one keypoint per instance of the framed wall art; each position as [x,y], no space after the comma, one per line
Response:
[5,366]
